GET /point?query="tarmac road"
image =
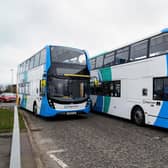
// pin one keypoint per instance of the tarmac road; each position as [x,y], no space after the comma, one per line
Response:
[98,141]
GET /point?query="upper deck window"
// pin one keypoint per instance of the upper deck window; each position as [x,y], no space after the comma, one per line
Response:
[109,59]
[43,56]
[67,55]
[93,63]
[36,59]
[99,61]
[159,45]
[27,65]
[31,64]
[23,67]
[122,55]
[139,50]
[20,69]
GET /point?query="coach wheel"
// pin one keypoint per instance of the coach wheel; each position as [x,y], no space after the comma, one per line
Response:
[138,116]
[35,109]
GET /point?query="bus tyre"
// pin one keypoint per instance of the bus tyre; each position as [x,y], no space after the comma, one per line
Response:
[138,116]
[35,109]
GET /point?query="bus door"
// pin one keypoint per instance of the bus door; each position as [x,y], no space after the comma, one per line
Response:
[158,107]
[152,104]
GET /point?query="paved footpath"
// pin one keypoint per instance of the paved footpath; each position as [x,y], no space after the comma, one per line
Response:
[27,155]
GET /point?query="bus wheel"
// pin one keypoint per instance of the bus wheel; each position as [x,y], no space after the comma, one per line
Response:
[35,109]
[138,116]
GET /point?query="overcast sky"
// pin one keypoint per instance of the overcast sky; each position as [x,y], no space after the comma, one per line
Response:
[26,26]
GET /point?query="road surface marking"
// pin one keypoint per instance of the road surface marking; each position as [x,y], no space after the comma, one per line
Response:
[56,151]
[45,141]
[59,161]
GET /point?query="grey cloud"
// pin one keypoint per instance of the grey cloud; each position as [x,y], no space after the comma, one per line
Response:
[27,26]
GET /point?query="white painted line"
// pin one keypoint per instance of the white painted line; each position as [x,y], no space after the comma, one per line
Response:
[59,161]
[45,141]
[15,160]
[56,151]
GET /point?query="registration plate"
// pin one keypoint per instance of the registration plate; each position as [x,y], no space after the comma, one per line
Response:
[71,113]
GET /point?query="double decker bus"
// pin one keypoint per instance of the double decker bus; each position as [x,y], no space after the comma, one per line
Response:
[131,82]
[55,80]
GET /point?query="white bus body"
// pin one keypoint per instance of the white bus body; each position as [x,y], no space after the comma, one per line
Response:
[136,90]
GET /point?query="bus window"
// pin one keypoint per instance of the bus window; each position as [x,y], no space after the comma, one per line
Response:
[122,55]
[31,63]
[115,88]
[23,66]
[165,95]
[27,88]
[93,63]
[96,89]
[139,50]
[159,45]
[92,88]
[36,59]
[109,59]
[20,68]
[160,89]
[43,56]
[68,56]
[106,88]
[99,61]
[27,65]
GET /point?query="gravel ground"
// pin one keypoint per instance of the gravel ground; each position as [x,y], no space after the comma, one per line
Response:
[98,141]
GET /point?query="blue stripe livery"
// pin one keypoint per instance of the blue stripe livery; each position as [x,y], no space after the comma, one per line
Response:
[99,104]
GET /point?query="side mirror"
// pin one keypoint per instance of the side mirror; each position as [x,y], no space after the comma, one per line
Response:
[94,82]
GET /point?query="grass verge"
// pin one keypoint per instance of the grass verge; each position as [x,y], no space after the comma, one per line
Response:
[6,121]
